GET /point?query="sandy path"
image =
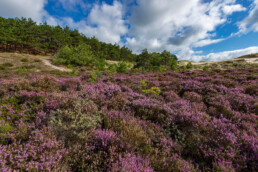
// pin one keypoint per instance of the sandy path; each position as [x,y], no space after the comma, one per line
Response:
[48,63]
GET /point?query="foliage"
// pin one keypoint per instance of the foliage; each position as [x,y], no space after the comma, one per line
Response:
[75,49]
[205,68]
[7,64]
[200,121]
[122,67]
[78,56]
[25,60]
[26,36]
[189,65]
[155,61]
[152,90]
[143,83]
[75,120]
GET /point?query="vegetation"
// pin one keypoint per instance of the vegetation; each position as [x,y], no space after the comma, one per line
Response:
[75,56]
[189,65]
[152,61]
[72,48]
[165,121]
[111,118]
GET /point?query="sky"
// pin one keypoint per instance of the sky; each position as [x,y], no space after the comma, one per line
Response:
[198,30]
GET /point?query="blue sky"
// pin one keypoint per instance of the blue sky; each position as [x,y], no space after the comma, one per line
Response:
[193,29]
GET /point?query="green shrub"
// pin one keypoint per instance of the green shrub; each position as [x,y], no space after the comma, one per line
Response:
[7,64]
[22,70]
[100,64]
[2,67]
[143,83]
[152,90]
[112,68]
[205,68]
[75,120]
[24,60]
[74,72]
[189,65]
[78,56]
[173,66]
[122,67]
[162,68]
[5,129]
[93,77]
[64,54]
[183,68]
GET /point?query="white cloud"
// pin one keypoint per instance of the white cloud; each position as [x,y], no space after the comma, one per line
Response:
[104,22]
[250,23]
[51,20]
[225,55]
[229,9]
[177,25]
[23,8]
[205,42]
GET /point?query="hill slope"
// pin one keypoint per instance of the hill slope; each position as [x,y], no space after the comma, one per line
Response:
[16,62]
[247,61]
[166,121]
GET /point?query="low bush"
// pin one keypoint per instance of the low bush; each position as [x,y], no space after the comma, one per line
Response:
[75,122]
[7,64]
[25,60]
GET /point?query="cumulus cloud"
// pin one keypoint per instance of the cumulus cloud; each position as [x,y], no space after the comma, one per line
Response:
[205,42]
[225,55]
[229,9]
[250,23]
[177,25]
[105,22]
[23,8]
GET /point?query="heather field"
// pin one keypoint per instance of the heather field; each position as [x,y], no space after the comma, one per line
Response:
[167,121]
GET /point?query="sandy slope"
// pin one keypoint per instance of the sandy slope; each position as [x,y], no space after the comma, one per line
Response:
[40,62]
[249,60]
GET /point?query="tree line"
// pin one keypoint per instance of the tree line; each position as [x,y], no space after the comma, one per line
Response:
[26,36]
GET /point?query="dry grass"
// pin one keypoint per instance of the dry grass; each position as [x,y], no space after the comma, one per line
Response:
[20,63]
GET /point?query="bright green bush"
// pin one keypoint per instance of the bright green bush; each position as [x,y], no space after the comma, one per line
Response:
[112,68]
[173,66]
[122,67]
[152,90]
[143,83]
[78,56]
[100,64]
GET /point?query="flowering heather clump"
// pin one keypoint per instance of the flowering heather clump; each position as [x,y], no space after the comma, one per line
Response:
[131,163]
[42,152]
[197,121]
